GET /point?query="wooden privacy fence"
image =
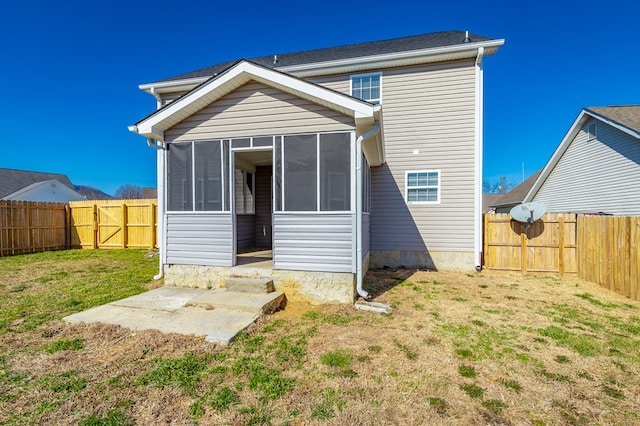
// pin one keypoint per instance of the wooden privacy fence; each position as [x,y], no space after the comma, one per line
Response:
[600,249]
[547,246]
[114,224]
[608,252]
[29,227]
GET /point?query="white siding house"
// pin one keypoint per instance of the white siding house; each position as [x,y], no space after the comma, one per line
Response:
[596,167]
[365,155]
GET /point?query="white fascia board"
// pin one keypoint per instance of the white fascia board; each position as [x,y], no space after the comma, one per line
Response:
[392,59]
[239,74]
[557,154]
[173,85]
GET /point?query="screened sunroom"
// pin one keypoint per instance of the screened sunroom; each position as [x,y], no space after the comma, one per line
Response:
[255,159]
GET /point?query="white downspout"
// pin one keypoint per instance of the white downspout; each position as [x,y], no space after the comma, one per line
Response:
[477,211]
[160,161]
[359,272]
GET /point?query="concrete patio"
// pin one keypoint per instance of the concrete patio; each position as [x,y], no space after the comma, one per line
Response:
[217,315]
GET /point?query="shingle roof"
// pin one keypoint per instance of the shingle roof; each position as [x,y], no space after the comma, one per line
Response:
[12,180]
[517,194]
[625,115]
[404,44]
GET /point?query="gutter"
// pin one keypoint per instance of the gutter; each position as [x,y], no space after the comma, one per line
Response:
[359,271]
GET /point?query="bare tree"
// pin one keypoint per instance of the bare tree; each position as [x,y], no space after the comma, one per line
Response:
[129,192]
[497,187]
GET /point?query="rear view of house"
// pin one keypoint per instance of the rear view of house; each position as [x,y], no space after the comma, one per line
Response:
[326,162]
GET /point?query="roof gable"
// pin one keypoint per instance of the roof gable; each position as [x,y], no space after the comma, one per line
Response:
[12,180]
[154,125]
[47,191]
[624,118]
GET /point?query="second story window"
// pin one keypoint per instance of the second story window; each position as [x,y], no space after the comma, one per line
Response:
[367,87]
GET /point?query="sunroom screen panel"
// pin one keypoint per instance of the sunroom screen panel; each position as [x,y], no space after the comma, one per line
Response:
[300,173]
[179,178]
[335,172]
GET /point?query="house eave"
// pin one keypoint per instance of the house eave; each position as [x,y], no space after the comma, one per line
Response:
[350,65]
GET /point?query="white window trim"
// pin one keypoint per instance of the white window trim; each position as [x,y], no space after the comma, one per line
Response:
[406,187]
[352,76]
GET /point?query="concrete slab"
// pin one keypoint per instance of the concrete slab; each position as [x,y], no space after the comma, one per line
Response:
[185,311]
[250,302]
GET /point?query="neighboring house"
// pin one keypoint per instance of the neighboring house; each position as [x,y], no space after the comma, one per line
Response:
[596,167]
[488,200]
[505,202]
[91,193]
[291,152]
[149,193]
[25,185]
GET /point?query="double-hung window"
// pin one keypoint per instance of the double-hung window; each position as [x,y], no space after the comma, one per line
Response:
[422,187]
[367,87]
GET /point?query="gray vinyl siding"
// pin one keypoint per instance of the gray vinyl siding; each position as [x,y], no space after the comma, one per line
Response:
[601,175]
[313,242]
[366,238]
[167,98]
[263,206]
[256,109]
[199,239]
[245,231]
[430,109]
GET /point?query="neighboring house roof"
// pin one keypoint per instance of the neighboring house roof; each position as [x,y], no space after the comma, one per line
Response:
[440,46]
[364,113]
[488,200]
[92,193]
[149,193]
[516,195]
[12,180]
[47,191]
[625,118]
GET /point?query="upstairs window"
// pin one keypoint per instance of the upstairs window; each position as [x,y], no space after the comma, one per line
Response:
[367,87]
[422,187]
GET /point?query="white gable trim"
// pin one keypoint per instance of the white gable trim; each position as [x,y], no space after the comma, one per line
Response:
[238,75]
[564,145]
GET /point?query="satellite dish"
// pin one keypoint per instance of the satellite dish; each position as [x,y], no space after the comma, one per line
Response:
[528,212]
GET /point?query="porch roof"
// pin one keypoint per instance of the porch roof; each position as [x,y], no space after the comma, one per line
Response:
[365,114]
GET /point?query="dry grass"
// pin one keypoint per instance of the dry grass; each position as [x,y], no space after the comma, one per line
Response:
[458,348]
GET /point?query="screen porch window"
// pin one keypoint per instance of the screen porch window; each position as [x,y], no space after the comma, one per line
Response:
[313,172]
[195,176]
[422,187]
[367,87]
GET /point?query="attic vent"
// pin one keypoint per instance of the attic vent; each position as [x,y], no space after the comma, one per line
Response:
[275,59]
[466,37]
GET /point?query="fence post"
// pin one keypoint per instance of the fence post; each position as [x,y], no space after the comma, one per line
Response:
[125,231]
[561,244]
[152,225]
[95,226]
[523,251]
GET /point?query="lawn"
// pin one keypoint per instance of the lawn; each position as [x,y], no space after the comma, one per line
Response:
[458,348]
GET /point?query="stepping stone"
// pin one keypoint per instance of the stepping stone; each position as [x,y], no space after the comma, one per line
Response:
[249,285]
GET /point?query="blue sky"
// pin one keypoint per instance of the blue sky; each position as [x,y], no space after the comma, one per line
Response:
[70,69]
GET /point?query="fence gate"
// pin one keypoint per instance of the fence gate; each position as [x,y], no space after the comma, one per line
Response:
[547,246]
[114,224]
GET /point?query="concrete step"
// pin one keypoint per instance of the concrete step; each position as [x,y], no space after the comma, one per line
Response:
[249,285]
[256,303]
